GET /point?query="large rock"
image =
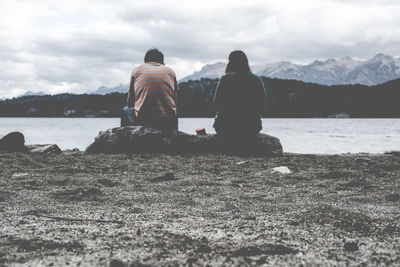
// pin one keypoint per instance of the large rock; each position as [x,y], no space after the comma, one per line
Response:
[139,139]
[13,142]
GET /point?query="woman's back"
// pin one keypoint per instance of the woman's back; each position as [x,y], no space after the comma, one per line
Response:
[240,102]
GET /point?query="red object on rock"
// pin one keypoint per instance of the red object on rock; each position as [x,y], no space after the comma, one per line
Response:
[201,131]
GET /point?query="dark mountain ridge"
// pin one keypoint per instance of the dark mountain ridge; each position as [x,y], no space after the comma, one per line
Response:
[285,99]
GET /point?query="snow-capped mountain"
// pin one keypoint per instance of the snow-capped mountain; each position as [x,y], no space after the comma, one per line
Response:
[30,93]
[210,71]
[102,90]
[379,69]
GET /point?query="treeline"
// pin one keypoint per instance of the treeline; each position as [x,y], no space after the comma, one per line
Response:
[64,105]
[296,99]
[289,98]
[285,98]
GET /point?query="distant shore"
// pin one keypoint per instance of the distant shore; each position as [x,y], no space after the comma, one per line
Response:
[76,208]
[285,99]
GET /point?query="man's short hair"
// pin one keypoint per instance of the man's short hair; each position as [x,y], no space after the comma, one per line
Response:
[154,55]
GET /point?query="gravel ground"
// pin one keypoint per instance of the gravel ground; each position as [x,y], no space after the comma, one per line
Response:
[144,210]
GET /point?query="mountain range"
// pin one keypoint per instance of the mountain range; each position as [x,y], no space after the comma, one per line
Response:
[30,93]
[344,71]
[379,69]
[103,90]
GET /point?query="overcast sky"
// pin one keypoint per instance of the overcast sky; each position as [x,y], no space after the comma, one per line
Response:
[77,46]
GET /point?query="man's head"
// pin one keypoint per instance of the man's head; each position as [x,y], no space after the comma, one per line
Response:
[154,55]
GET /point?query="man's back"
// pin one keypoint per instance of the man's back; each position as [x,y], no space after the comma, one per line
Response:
[155,91]
[152,94]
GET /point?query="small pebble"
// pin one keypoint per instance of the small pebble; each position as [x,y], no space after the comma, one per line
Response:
[393,197]
[351,246]
[116,263]
[282,169]
[362,160]
[19,175]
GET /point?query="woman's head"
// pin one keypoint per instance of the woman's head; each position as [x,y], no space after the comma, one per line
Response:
[238,62]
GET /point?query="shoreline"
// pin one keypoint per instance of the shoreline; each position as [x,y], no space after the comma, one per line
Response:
[393,152]
[297,136]
[212,117]
[159,209]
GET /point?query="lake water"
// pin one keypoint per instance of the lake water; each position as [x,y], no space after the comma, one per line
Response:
[317,136]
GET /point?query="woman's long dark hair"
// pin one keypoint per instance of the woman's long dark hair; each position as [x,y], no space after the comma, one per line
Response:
[238,62]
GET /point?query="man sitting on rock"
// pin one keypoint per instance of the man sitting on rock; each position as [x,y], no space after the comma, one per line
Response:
[152,95]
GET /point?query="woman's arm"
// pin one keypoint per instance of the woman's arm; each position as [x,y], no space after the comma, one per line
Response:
[218,96]
[261,97]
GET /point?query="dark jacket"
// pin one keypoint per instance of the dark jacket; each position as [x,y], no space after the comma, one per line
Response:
[240,101]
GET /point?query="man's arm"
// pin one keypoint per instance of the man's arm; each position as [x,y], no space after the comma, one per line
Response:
[131,94]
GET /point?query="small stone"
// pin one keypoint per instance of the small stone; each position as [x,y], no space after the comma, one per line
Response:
[282,170]
[169,176]
[393,153]
[351,246]
[116,263]
[204,248]
[138,264]
[20,175]
[204,239]
[294,223]
[45,149]
[362,160]
[393,197]
[190,261]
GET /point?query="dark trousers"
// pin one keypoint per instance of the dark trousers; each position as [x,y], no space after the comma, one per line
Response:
[128,118]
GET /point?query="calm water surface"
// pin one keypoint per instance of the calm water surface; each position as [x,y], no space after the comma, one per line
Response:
[320,136]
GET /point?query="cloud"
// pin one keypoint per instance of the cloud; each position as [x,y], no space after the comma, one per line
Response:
[79,45]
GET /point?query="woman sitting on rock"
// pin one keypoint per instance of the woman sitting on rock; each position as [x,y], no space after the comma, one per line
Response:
[239,100]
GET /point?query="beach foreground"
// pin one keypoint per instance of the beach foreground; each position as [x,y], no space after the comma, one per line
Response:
[138,210]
